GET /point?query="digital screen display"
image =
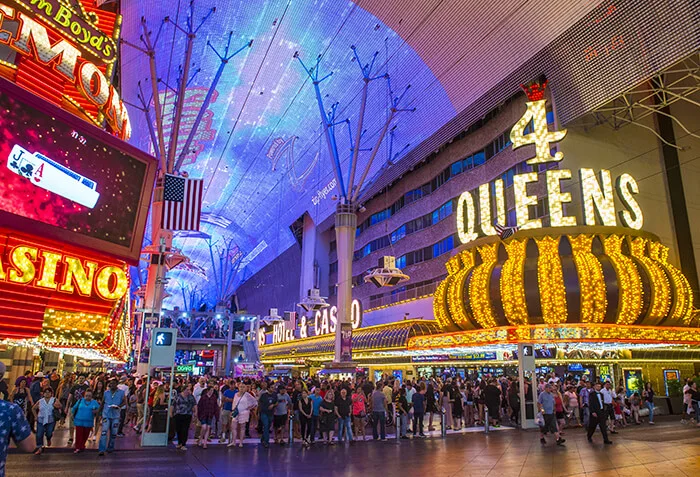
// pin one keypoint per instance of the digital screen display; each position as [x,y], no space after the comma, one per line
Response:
[59,171]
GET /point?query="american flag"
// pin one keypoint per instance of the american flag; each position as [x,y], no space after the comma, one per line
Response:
[505,232]
[182,203]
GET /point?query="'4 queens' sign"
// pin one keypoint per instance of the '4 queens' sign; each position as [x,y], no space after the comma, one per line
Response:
[56,48]
[598,191]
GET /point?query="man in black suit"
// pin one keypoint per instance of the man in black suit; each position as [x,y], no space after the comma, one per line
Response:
[598,416]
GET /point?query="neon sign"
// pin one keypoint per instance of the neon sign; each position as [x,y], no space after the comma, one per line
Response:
[325,322]
[29,28]
[597,190]
[29,264]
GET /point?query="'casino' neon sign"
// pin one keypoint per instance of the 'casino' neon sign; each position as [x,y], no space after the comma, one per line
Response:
[38,20]
[597,190]
[46,269]
[324,322]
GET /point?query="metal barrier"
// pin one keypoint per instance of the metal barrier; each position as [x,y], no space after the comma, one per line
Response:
[486,421]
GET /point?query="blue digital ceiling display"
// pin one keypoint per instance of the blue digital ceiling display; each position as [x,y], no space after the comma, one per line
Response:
[260,145]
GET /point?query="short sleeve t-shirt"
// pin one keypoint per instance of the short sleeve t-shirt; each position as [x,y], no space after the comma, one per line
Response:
[418,401]
[13,425]
[343,406]
[316,400]
[358,403]
[77,391]
[546,400]
[229,393]
[283,404]
[378,401]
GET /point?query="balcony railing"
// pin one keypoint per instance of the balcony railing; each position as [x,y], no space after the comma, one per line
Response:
[399,296]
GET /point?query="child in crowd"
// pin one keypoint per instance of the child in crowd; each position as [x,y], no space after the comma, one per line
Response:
[131,412]
[635,401]
[619,414]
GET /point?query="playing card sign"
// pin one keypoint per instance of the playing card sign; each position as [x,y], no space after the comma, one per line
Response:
[48,174]
[64,179]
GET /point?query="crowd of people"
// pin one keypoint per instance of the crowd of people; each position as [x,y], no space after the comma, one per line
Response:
[104,406]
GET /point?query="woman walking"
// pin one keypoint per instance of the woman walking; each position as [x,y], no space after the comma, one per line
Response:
[469,406]
[447,405]
[98,395]
[207,410]
[243,403]
[431,405]
[85,413]
[305,408]
[183,409]
[328,417]
[359,412]
[648,397]
[45,419]
[21,397]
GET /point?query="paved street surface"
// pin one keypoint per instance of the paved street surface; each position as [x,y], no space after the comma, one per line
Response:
[668,449]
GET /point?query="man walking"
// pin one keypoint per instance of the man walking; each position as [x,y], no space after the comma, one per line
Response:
[114,401]
[418,401]
[379,410]
[546,405]
[608,398]
[267,402]
[584,394]
[597,414]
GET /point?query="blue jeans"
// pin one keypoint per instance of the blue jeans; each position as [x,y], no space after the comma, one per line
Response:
[266,420]
[111,425]
[586,416]
[44,430]
[379,417]
[345,427]
[650,406]
[314,427]
[403,424]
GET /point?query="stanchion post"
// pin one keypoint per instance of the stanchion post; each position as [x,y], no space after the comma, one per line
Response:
[397,420]
[486,421]
[443,423]
[291,430]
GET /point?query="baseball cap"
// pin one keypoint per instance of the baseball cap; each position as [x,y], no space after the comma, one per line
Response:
[39,374]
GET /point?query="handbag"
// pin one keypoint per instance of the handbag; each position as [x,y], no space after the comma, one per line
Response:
[234,413]
[57,413]
[539,420]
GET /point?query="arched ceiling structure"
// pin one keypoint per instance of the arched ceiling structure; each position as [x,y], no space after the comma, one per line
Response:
[260,148]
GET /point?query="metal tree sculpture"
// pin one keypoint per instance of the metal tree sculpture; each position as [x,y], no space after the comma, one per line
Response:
[350,190]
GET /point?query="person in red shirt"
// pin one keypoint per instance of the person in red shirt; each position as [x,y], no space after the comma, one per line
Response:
[207,411]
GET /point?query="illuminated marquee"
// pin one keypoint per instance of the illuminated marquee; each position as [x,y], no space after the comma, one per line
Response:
[325,322]
[63,44]
[597,190]
[29,264]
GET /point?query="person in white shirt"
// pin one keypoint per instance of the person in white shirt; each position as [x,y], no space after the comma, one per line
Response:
[410,391]
[687,402]
[199,388]
[197,393]
[609,396]
[243,402]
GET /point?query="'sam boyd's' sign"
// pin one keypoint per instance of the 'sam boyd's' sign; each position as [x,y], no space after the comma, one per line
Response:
[65,52]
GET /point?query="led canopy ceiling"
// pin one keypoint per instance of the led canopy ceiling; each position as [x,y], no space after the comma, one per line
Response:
[260,148]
